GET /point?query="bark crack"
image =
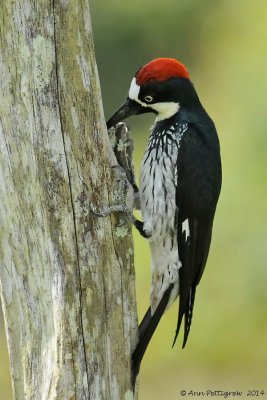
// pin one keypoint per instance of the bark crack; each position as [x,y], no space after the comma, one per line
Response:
[71,199]
[121,267]
[106,333]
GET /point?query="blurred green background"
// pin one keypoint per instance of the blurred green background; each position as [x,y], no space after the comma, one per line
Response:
[224,45]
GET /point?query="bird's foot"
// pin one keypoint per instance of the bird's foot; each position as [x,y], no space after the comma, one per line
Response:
[120,208]
[105,212]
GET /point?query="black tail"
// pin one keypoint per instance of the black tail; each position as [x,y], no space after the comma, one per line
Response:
[146,330]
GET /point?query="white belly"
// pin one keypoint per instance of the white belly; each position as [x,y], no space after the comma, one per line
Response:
[157,194]
[159,212]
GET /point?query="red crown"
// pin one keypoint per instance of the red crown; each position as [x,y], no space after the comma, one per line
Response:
[161,69]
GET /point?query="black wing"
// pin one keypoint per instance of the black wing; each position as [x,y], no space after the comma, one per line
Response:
[198,189]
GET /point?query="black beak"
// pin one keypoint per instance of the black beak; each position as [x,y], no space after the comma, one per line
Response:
[130,107]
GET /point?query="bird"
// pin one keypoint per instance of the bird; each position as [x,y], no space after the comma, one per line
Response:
[180,183]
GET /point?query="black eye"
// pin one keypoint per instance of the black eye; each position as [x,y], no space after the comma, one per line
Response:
[148,99]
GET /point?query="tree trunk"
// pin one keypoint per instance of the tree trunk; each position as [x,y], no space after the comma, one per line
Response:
[67,277]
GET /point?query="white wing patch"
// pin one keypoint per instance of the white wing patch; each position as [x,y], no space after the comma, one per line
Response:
[185,228]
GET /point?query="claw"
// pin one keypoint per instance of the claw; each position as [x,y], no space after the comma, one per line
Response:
[105,212]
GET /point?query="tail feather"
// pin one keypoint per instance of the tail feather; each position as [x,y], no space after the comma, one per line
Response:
[180,318]
[146,331]
[185,311]
[144,325]
[189,256]
[184,292]
[189,315]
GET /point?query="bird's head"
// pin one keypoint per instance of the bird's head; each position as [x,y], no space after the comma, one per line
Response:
[159,87]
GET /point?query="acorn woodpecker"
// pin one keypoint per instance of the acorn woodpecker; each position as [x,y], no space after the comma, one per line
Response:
[180,184]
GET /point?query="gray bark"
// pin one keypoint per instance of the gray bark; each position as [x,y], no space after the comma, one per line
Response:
[67,277]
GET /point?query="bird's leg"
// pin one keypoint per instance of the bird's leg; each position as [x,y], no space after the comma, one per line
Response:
[105,212]
[122,174]
[140,227]
[123,147]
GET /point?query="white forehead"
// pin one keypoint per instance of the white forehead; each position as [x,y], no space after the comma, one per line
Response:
[134,90]
[164,110]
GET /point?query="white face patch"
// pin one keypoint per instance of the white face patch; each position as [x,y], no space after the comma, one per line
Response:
[164,109]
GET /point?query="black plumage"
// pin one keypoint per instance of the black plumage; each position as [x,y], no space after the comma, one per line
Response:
[198,189]
[181,177]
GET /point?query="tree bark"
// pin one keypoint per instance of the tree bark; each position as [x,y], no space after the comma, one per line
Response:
[67,277]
